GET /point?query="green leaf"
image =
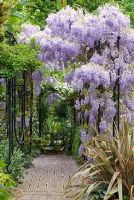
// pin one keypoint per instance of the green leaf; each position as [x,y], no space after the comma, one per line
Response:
[2,164]
[92,188]
[61,3]
[116,174]
[58,4]
[27,3]
[18,14]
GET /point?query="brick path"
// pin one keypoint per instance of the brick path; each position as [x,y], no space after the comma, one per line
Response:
[46,179]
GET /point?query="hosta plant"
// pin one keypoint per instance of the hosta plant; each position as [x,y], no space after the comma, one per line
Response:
[110,172]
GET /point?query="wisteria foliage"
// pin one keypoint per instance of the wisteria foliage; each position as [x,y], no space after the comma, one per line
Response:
[102,46]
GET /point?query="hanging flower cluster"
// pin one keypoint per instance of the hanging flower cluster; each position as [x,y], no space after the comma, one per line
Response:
[2,105]
[27,121]
[84,138]
[37,77]
[93,83]
[2,81]
[70,33]
[91,75]
[52,98]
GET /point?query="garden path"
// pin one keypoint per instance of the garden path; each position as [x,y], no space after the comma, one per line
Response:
[47,177]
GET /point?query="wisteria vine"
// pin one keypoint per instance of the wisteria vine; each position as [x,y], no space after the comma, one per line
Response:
[101,49]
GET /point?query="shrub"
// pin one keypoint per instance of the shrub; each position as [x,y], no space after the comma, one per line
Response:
[39,145]
[16,167]
[4,150]
[111,170]
[6,183]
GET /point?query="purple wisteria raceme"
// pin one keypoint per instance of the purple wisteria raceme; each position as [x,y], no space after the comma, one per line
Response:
[61,22]
[97,59]
[127,81]
[69,77]
[103,126]
[130,104]
[58,50]
[91,74]
[42,36]
[130,45]
[109,109]
[2,105]
[27,122]
[95,105]
[28,30]
[81,151]
[113,18]
[37,77]
[2,81]
[52,98]
[84,138]
[86,99]
[77,104]
[84,30]
[19,120]
[86,115]
[49,79]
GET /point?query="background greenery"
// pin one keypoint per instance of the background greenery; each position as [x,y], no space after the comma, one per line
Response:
[17,12]
[43,7]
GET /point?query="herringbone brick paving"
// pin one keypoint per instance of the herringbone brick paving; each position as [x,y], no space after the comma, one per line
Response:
[47,178]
